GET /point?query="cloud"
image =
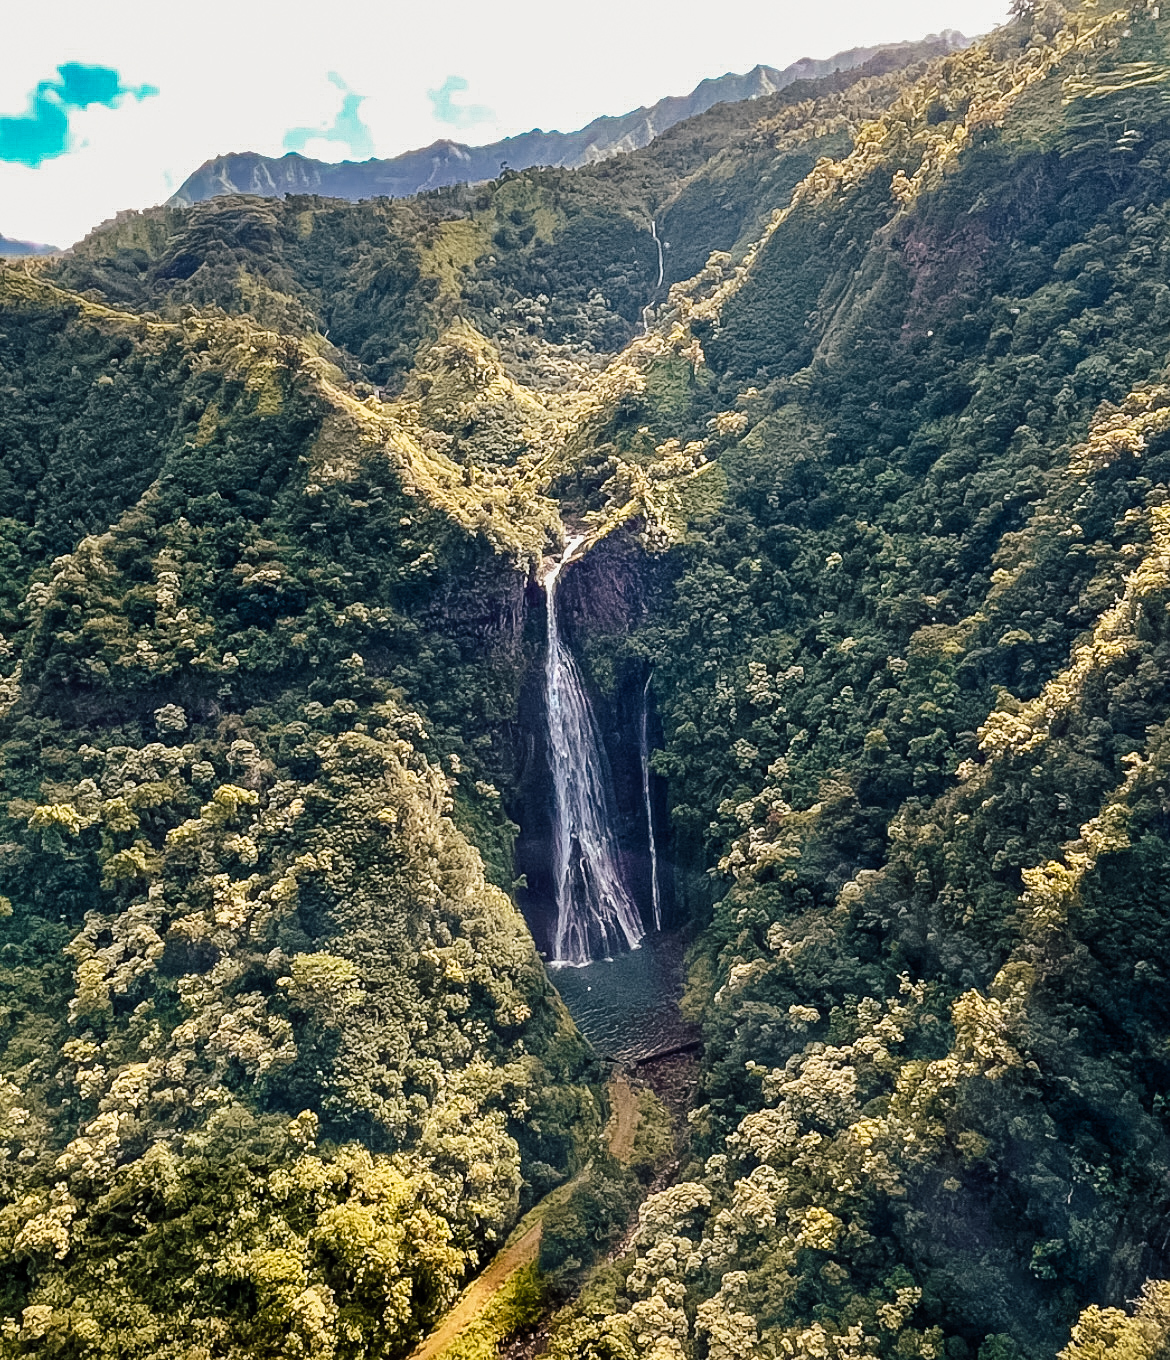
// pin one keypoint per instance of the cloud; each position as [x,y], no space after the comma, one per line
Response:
[347,127]
[458,115]
[43,131]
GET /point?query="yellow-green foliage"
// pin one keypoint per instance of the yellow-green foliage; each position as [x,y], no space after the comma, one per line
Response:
[517,1304]
[973,91]
[256,955]
[293,1229]
[520,194]
[279,1067]
[1112,1334]
[455,248]
[304,1233]
[653,1138]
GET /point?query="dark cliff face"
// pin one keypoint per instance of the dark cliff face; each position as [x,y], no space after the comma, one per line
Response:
[606,591]
[602,599]
[479,639]
[480,617]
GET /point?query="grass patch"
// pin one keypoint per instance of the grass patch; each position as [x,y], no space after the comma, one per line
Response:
[458,244]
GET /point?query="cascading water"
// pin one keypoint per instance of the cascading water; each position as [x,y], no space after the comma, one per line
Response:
[596,916]
[655,895]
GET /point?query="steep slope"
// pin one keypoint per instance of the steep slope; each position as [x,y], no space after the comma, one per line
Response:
[876,499]
[539,261]
[913,673]
[446,162]
[280,1063]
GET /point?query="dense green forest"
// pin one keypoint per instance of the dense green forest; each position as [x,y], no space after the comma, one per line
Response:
[884,464]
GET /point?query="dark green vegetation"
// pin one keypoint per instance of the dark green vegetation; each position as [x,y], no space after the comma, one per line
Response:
[889,482]
[280,1063]
[595,1215]
[559,255]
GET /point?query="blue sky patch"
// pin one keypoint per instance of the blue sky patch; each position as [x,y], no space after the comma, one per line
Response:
[347,128]
[457,115]
[43,130]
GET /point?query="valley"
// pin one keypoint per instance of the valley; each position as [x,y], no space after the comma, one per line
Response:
[708,602]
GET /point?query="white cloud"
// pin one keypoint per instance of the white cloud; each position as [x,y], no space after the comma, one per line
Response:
[235,75]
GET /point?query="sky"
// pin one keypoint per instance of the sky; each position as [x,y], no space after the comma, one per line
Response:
[111,106]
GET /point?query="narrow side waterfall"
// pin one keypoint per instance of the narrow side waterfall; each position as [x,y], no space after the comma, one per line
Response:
[596,916]
[655,895]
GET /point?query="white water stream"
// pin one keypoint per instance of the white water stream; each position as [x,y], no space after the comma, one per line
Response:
[650,305]
[596,916]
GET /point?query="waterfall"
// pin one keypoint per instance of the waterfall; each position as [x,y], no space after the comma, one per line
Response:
[596,917]
[655,896]
[649,307]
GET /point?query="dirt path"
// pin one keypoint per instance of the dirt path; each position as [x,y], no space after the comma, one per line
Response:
[524,1248]
[623,1122]
[476,1296]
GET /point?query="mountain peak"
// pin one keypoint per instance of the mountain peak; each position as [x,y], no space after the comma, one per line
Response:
[445,162]
[12,249]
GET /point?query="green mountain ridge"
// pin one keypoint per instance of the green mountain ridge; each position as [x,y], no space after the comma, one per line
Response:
[875,484]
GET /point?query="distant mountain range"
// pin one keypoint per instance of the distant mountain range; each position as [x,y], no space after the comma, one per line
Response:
[445,162]
[10,248]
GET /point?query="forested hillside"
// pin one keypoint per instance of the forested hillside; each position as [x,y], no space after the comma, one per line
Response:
[876,487]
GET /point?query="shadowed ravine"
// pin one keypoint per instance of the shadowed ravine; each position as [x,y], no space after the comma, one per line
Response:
[596,917]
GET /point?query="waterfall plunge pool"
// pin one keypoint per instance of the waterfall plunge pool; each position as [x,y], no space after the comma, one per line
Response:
[627,1007]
